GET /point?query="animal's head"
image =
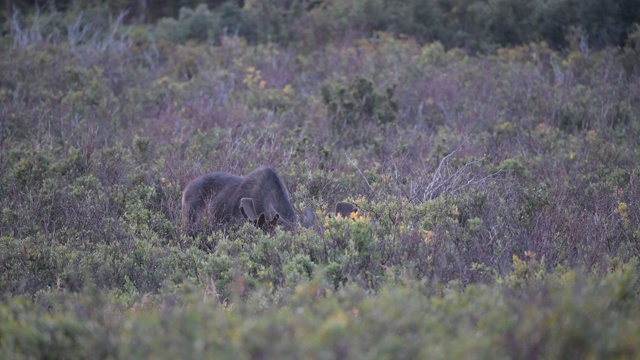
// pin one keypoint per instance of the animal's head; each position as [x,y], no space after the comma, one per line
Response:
[269,219]
[262,221]
[345,209]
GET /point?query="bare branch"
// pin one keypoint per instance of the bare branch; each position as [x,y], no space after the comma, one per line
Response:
[361,174]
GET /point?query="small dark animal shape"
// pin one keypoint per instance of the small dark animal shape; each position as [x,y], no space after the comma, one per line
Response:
[345,209]
[260,197]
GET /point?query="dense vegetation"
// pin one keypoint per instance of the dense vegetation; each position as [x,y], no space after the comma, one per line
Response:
[497,176]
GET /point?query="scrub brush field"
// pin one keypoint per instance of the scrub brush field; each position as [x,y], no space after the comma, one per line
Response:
[494,158]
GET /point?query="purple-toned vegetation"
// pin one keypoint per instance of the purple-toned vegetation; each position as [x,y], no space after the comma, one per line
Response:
[496,186]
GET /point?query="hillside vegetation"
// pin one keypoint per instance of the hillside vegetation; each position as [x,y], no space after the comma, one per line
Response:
[497,177]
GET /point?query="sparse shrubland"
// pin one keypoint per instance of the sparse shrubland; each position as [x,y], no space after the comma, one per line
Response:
[497,177]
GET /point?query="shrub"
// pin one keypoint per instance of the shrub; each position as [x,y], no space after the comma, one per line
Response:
[496,193]
[199,24]
[355,105]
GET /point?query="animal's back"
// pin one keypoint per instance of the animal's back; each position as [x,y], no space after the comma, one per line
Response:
[222,192]
[215,187]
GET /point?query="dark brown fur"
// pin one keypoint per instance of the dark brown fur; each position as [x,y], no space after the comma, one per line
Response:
[224,193]
[345,209]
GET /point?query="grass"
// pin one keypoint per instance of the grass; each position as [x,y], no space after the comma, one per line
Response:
[498,195]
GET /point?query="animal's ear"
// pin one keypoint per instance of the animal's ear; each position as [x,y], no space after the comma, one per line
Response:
[264,223]
[261,220]
[274,221]
[345,209]
[247,209]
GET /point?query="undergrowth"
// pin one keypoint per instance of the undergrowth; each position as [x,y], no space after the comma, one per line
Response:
[498,190]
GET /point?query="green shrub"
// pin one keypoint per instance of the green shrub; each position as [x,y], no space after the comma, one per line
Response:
[496,192]
[199,24]
[355,105]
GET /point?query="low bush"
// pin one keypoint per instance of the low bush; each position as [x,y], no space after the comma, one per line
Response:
[496,192]
[528,313]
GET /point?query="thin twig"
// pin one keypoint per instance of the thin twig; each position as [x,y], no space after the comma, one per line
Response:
[361,174]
